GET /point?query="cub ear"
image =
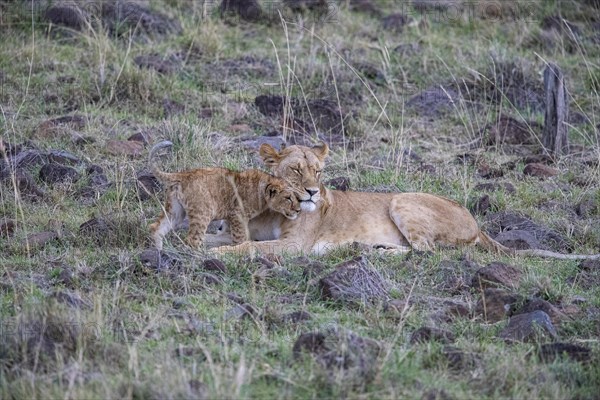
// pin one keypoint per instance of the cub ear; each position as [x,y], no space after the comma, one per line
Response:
[321,150]
[271,190]
[269,155]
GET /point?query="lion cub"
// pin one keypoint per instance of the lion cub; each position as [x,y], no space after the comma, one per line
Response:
[206,194]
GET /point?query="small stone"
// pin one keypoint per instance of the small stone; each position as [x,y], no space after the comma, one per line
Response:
[590,265]
[540,170]
[496,274]
[556,315]
[139,137]
[458,360]
[56,173]
[529,327]
[518,239]
[124,148]
[214,265]
[428,334]
[147,186]
[496,304]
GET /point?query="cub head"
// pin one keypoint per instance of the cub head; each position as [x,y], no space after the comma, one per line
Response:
[301,167]
[282,198]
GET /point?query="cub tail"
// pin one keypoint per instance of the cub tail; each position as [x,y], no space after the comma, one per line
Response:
[152,161]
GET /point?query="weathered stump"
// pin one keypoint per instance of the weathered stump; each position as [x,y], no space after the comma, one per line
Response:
[556,130]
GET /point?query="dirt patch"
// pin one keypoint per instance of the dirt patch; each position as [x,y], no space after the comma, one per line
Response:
[121,17]
[434,102]
[507,130]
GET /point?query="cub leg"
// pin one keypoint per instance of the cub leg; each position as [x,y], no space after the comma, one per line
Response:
[239,228]
[199,219]
[171,217]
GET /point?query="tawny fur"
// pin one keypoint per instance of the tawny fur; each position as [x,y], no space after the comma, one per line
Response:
[397,221]
[205,194]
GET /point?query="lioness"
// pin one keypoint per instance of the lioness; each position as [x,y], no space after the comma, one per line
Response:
[398,221]
[205,194]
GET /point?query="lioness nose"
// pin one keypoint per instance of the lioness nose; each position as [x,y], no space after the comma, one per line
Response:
[312,192]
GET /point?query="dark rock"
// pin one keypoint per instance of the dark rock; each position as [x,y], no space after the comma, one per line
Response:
[158,63]
[97,228]
[148,186]
[561,25]
[496,274]
[70,17]
[248,10]
[428,334]
[40,239]
[341,183]
[508,130]
[540,170]
[495,186]
[354,281]
[458,360]
[556,316]
[434,102]
[436,394]
[371,72]
[214,265]
[7,226]
[140,137]
[364,6]
[496,304]
[63,157]
[56,173]
[211,279]
[313,269]
[297,316]
[300,6]
[482,205]
[529,327]
[28,158]
[96,176]
[313,343]
[27,186]
[124,148]
[395,22]
[516,239]
[538,159]
[587,208]
[509,221]
[156,260]
[589,265]
[121,16]
[552,351]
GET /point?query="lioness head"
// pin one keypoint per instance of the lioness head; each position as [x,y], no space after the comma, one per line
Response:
[301,167]
[282,199]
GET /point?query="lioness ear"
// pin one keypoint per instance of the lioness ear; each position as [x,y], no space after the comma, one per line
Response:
[269,155]
[321,151]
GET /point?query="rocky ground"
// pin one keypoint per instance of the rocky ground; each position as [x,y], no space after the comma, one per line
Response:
[445,97]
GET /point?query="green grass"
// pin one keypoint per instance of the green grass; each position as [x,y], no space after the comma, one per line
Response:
[123,339]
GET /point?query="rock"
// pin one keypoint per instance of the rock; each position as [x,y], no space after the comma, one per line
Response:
[395,22]
[27,186]
[120,17]
[551,351]
[67,16]
[556,315]
[63,157]
[540,170]
[140,137]
[124,148]
[148,186]
[354,281]
[458,360]
[434,102]
[561,25]
[58,126]
[296,317]
[248,10]
[529,327]
[214,265]
[587,208]
[337,349]
[39,240]
[95,228]
[157,260]
[496,275]
[496,304]
[507,130]
[158,63]
[56,173]
[313,269]
[509,221]
[520,240]
[482,205]
[428,334]
[365,6]
[436,394]
[341,183]
[29,158]
[7,226]
[589,265]
[495,186]
[241,311]
[301,6]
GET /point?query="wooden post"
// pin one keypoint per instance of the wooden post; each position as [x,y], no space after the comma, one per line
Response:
[556,130]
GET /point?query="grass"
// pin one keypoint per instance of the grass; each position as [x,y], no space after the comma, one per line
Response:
[128,331]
